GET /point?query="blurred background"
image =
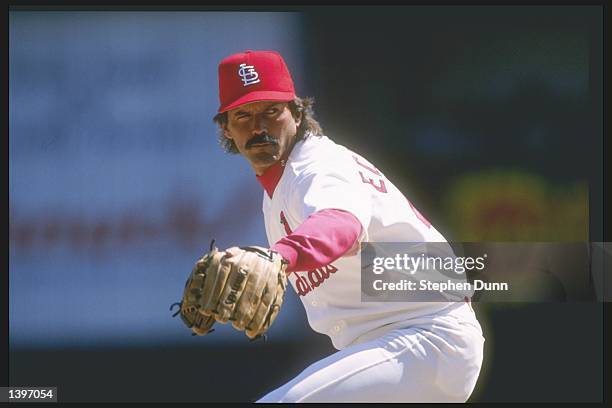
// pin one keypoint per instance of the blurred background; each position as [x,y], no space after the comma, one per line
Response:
[487,118]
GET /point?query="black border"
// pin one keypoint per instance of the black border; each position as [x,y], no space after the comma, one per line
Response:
[605,87]
[4,378]
[600,125]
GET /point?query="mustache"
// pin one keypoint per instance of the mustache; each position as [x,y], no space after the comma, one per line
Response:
[262,138]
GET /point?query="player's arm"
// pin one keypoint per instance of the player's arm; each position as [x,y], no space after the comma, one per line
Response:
[325,236]
[335,212]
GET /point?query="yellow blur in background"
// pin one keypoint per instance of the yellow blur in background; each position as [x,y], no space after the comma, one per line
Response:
[514,205]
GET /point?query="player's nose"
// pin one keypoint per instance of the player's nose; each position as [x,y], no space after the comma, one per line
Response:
[259,124]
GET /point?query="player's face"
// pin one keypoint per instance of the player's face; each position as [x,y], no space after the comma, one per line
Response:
[264,132]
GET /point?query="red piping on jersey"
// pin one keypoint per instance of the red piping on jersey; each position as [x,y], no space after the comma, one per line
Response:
[271,177]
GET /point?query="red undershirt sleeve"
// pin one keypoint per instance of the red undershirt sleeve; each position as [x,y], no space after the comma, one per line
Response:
[325,236]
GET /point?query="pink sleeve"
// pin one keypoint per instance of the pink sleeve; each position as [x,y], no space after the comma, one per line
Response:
[325,236]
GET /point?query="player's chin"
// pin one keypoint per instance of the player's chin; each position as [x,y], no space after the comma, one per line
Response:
[264,156]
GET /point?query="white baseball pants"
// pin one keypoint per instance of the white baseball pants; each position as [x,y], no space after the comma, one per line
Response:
[431,363]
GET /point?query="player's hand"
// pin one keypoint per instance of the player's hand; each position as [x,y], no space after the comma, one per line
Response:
[244,285]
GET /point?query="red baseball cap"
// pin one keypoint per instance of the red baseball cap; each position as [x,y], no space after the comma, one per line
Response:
[252,76]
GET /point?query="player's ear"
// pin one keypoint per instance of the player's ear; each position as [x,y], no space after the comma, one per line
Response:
[226,132]
[298,119]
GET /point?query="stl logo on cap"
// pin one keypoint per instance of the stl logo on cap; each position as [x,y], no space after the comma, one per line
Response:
[248,74]
[261,76]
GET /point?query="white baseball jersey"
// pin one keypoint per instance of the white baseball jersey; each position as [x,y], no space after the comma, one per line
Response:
[320,174]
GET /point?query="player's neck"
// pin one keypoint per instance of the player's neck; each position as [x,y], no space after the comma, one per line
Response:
[261,170]
[271,176]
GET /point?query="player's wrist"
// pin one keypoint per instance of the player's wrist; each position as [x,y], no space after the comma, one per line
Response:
[289,254]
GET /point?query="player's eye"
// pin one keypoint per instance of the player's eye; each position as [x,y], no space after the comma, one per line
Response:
[271,111]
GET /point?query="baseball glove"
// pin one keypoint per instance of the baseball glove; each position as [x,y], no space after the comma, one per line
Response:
[244,285]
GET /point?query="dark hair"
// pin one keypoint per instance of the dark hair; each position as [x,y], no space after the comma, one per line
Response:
[308,126]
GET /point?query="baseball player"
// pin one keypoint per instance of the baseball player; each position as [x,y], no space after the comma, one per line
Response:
[321,201]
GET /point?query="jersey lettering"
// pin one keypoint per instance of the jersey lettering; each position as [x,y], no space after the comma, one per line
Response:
[283,221]
[365,166]
[381,183]
[316,277]
[382,188]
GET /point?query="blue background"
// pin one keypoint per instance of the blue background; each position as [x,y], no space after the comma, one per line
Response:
[117,183]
